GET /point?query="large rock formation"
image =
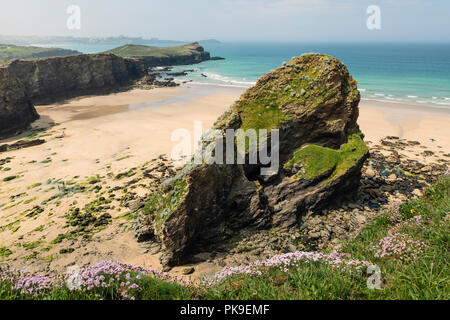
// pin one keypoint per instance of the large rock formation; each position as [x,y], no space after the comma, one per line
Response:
[313,103]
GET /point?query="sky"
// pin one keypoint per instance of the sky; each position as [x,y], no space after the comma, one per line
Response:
[232,20]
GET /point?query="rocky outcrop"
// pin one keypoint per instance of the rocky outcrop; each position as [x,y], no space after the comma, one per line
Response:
[164,56]
[312,104]
[21,144]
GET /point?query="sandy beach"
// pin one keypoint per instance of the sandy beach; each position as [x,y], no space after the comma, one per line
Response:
[105,135]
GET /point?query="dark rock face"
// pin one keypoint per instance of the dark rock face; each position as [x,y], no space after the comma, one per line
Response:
[16,109]
[47,80]
[313,103]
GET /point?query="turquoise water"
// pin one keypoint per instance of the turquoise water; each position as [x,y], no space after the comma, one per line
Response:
[410,73]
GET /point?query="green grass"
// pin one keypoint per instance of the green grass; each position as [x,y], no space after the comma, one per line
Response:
[317,160]
[132,50]
[426,277]
[8,52]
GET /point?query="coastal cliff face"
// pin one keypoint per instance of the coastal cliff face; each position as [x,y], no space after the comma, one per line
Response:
[44,81]
[313,102]
[16,109]
[26,82]
[48,80]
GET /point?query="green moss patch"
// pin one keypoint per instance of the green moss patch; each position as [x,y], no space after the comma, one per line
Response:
[162,204]
[301,81]
[317,160]
[5,252]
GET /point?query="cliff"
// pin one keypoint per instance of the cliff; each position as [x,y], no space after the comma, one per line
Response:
[48,80]
[43,81]
[164,56]
[25,82]
[16,109]
[312,103]
[9,52]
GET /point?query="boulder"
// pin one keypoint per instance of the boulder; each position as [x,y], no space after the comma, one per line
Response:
[311,104]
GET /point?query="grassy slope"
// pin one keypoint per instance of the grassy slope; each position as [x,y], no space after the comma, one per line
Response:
[132,50]
[8,52]
[425,277]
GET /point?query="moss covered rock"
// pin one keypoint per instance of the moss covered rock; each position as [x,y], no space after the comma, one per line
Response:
[313,103]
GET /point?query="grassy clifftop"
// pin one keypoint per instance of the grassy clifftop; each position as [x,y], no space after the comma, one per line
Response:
[8,52]
[133,50]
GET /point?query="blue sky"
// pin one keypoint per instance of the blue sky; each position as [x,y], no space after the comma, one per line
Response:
[233,20]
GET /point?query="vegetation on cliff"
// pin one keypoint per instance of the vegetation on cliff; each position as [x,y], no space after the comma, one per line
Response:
[9,52]
[134,50]
[317,161]
[162,204]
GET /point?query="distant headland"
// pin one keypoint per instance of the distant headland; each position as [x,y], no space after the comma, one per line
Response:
[120,40]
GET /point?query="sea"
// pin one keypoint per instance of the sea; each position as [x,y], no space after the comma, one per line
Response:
[415,73]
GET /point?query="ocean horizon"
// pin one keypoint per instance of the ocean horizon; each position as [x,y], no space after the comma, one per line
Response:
[413,73]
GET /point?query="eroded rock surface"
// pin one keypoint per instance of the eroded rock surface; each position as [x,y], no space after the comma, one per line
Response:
[313,103]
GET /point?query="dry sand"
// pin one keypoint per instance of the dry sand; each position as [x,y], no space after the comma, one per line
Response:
[428,125]
[112,133]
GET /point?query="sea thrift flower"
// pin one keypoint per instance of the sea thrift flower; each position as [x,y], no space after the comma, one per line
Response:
[399,246]
[283,261]
[34,284]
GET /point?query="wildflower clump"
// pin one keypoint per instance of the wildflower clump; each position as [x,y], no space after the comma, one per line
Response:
[399,246]
[34,284]
[117,280]
[286,261]
[104,280]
